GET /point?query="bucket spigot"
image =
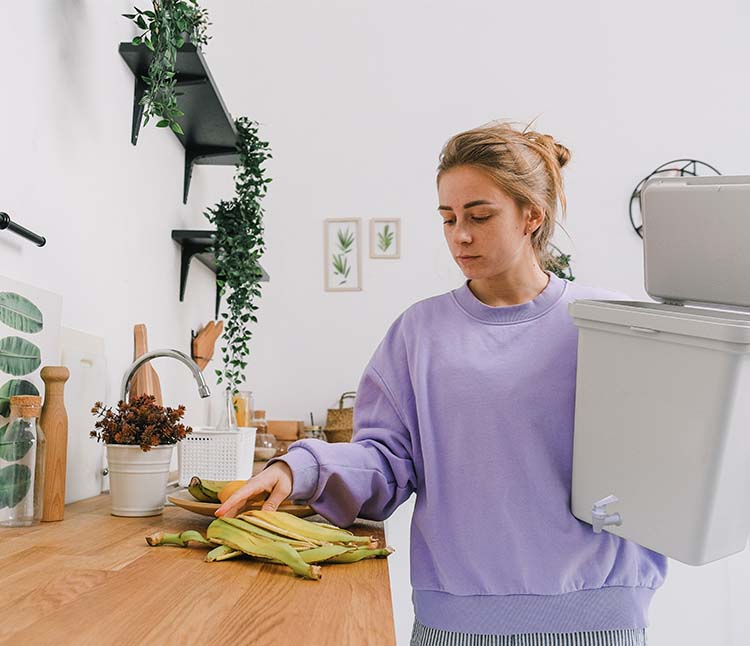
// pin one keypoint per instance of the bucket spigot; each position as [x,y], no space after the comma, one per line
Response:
[599,516]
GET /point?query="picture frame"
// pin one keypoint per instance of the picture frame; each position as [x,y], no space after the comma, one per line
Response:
[343,255]
[385,238]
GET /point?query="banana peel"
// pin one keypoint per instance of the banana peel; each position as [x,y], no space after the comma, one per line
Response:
[219,531]
[289,525]
[263,533]
[222,553]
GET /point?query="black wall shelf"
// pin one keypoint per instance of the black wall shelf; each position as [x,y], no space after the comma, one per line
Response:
[210,136]
[198,243]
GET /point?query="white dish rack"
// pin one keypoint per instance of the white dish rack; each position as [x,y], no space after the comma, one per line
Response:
[216,455]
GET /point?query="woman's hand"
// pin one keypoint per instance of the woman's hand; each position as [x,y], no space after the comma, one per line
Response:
[276,479]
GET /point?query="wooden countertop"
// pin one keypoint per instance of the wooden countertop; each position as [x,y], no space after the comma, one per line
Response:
[92,579]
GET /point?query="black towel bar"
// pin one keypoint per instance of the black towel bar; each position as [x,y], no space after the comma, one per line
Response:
[7,223]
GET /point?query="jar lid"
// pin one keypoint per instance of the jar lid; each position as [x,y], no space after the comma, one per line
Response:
[26,405]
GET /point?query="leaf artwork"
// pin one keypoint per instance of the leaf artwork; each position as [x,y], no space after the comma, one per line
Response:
[15,442]
[19,356]
[385,238]
[10,389]
[346,240]
[341,267]
[20,313]
[15,481]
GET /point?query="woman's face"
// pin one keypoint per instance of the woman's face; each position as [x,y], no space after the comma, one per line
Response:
[483,226]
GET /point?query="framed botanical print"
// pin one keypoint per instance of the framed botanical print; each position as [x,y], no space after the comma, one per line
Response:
[343,258]
[385,238]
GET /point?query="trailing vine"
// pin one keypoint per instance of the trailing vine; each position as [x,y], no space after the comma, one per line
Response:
[167,28]
[238,247]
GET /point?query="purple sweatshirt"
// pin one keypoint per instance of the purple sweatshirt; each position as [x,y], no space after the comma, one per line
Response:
[472,407]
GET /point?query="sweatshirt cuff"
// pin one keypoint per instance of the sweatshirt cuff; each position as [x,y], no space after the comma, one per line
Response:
[305,470]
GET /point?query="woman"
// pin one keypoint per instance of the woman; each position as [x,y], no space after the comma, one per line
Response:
[469,402]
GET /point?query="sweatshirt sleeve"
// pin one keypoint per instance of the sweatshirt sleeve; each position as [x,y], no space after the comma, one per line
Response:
[368,477]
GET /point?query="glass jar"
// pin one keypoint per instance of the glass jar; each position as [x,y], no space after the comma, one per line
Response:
[266,446]
[227,416]
[314,432]
[243,407]
[22,448]
[259,421]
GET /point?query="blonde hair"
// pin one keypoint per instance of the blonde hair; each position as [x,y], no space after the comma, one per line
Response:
[525,164]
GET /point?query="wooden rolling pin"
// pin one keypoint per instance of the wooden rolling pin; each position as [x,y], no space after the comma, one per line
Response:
[145,381]
[54,424]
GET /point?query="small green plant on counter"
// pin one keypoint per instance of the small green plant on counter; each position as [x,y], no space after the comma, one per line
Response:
[238,247]
[167,28]
[560,264]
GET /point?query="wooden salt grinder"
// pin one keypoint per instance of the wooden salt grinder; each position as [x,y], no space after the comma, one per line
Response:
[54,423]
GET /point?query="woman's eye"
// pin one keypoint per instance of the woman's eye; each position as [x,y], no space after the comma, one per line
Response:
[481,219]
[448,221]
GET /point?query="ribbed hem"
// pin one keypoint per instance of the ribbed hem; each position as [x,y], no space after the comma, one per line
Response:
[607,608]
[509,314]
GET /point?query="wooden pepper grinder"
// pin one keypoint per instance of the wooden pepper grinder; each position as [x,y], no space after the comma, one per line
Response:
[54,423]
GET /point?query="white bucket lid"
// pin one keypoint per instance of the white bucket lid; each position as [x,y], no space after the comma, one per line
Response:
[703,323]
[696,239]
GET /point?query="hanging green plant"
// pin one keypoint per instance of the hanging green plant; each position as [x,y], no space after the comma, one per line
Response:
[238,247]
[167,28]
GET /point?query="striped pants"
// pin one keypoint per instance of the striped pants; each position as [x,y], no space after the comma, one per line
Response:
[423,636]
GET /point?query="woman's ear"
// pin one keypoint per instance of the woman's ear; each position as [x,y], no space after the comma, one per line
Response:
[534,218]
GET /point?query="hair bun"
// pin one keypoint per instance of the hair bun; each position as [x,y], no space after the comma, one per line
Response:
[562,153]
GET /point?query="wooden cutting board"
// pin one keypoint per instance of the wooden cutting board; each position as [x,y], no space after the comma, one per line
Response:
[84,356]
[145,381]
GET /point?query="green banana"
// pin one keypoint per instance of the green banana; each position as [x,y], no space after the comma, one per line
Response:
[300,529]
[219,531]
[263,533]
[221,553]
[359,554]
[206,490]
[181,540]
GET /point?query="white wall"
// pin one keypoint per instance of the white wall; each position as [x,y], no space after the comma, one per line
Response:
[356,99]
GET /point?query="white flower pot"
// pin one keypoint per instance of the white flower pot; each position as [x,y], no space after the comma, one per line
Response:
[138,479]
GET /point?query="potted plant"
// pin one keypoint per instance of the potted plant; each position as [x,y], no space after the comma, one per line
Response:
[167,28]
[140,438]
[238,246]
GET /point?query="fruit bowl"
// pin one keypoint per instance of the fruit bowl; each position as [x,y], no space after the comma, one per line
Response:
[183,498]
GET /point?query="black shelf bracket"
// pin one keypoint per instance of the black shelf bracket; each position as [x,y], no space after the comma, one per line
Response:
[7,223]
[199,244]
[185,80]
[209,135]
[206,155]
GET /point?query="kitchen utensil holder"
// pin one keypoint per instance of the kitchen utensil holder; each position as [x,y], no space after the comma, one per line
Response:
[216,455]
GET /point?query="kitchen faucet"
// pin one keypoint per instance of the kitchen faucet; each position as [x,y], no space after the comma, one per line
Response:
[203,390]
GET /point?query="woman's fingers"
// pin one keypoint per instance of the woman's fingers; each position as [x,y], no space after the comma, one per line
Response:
[237,500]
[277,479]
[278,495]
